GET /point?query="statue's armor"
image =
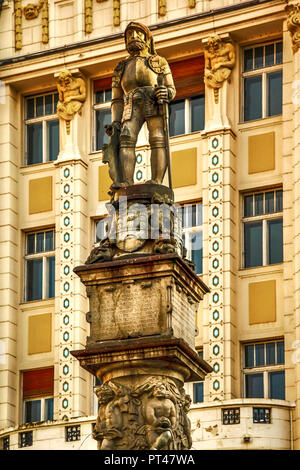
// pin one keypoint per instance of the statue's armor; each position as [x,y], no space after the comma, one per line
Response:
[137,78]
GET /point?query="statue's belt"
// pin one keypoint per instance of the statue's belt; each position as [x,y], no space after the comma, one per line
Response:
[145,95]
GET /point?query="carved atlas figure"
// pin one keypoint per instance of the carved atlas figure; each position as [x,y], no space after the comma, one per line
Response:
[142,85]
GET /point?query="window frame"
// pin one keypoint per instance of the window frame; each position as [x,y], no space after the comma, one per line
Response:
[264,369]
[43,408]
[35,120]
[44,255]
[98,107]
[263,72]
[187,115]
[264,218]
[198,228]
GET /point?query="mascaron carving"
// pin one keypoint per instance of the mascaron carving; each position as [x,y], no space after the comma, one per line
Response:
[72,95]
[152,416]
[219,62]
[31,11]
[293,24]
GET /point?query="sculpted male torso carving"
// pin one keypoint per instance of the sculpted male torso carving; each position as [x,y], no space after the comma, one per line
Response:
[139,84]
[219,62]
[72,94]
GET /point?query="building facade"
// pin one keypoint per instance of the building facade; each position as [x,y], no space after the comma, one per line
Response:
[235,151]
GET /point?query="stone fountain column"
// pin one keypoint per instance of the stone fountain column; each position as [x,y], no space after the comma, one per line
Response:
[143,298]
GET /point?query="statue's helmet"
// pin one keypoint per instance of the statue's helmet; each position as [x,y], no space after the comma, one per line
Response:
[145,30]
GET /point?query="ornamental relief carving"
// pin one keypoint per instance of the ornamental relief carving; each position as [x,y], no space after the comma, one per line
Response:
[30,12]
[71,96]
[293,24]
[150,416]
[219,61]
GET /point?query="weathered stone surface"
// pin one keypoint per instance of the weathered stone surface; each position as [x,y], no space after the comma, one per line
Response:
[140,297]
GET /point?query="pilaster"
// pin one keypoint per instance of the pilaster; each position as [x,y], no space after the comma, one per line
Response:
[9,270]
[71,381]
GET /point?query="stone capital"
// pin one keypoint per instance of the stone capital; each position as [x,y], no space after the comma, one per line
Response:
[293,23]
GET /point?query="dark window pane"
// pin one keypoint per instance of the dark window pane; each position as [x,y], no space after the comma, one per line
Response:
[270,353]
[248,206]
[277,385]
[279,205]
[32,411]
[188,216]
[30,243]
[269,202]
[48,104]
[197,113]
[279,53]
[275,241]
[34,279]
[198,392]
[199,214]
[49,409]
[254,386]
[194,215]
[248,60]
[101,229]
[39,106]
[51,276]
[259,203]
[40,242]
[53,139]
[103,117]
[30,108]
[258,57]
[34,143]
[259,355]
[49,245]
[280,352]
[177,125]
[253,98]
[99,97]
[55,99]
[196,247]
[249,355]
[274,93]
[269,55]
[108,95]
[253,244]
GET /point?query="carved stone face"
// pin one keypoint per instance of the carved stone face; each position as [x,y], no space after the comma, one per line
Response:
[31,11]
[136,40]
[65,79]
[214,44]
[105,394]
[160,391]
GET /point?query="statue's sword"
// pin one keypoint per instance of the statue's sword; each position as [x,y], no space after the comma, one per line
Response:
[165,113]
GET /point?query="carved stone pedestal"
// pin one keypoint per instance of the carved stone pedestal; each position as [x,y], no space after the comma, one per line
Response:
[141,345]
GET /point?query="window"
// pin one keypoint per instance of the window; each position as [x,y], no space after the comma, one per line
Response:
[25,439]
[186,115]
[41,129]
[102,113]
[39,265]
[262,415]
[262,226]
[38,395]
[72,433]
[191,216]
[263,370]
[101,230]
[262,81]
[198,387]
[231,416]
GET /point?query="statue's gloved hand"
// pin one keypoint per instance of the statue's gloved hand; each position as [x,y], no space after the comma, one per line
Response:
[161,94]
[110,127]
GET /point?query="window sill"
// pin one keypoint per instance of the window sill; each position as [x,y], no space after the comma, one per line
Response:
[37,167]
[261,270]
[27,305]
[258,123]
